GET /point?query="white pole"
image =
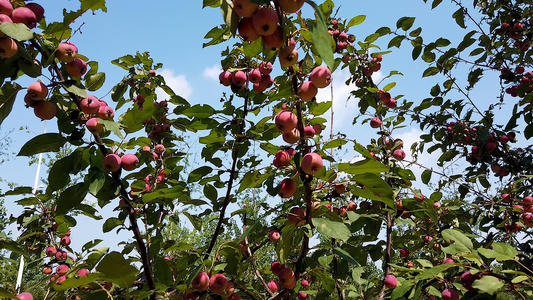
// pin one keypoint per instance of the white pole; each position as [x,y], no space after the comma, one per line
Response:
[21,266]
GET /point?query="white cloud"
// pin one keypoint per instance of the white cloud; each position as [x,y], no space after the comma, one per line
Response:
[178,83]
[212,72]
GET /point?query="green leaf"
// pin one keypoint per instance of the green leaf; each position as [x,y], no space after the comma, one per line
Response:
[217,36]
[17,31]
[195,220]
[488,284]
[347,256]
[375,188]
[328,283]
[116,269]
[356,21]
[368,165]
[462,243]
[431,71]
[426,176]
[338,142]
[399,291]
[199,111]
[332,229]
[110,224]
[459,17]
[8,94]
[93,5]
[46,142]
[405,23]
[321,38]
[500,252]
[75,88]
[114,127]
[442,42]
[520,278]
[94,82]
[199,173]
[434,271]
[71,197]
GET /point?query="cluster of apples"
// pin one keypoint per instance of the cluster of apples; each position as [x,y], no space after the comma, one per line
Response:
[35,95]
[66,53]
[342,38]
[59,257]
[113,162]
[263,22]
[286,277]
[518,31]
[523,82]
[259,76]
[319,78]
[217,284]
[521,212]
[30,15]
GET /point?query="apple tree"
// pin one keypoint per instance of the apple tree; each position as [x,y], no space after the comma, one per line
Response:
[327,222]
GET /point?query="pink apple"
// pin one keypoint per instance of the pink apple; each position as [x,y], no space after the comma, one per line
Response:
[266,82]
[94,126]
[275,267]
[375,122]
[467,279]
[317,128]
[265,21]
[287,277]
[37,90]
[291,6]
[105,113]
[45,110]
[282,159]
[66,52]
[24,296]
[312,163]
[450,294]
[448,261]
[65,241]
[309,131]
[274,286]
[287,188]
[291,137]
[6,7]
[404,252]
[8,47]
[390,281]
[274,236]
[265,68]
[76,68]
[307,91]
[218,283]
[304,283]
[83,273]
[239,78]
[90,105]
[288,56]
[129,162]
[61,256]
[528,200]
[399,154]
[37,9]
[244,8]
[225,78]
[61,270]
[297,216]
[159,149]
[24,15]
[275,40]
[247,31]
[51,251]
[112,162]
[320,77]
[286,121]
[201,282]
[255,76]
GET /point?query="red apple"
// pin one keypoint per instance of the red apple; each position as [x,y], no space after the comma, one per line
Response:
[51,251]
[37,90]
[274,286]
[287,277]
[450,294]
[24,15]
[390,281]
[129,162]
[265,21]
[61,256]
[6,7]
[37,9]
[47,270]
[312,163]
[307,91]
[274,236]
[66,52]
[352,206]
[83,273]
[286,121]
[404,252]
[65,241]
[159,149]
[320,77]
[467,279]
[448,261]
[317,128]
[375,122]
[201,282]
[275,40]
[288,56]
[225,78]
[309,131]
[265,68]
[24,296]
[244,8]
[287,188]
[291,137]
[291,6]
[399,154]
[44,109]
[239,78]
[61,270]
[282,159]
[247,31]
[112,162]
[76,68]
[90,105]
[218,283]
[528,200]
[94,126]
[8,47]
[275,267]
[297,216]
[105,113]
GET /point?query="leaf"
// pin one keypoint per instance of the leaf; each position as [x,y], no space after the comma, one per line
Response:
[17,31]
[116,269]
[488,284]
[46,142]
[368,165]
[334,143]
[432,272]
[328,283]
[71,197]
[500,252]
[93,5]
[75,88]
[114,127]
[76,281]
[431,71]
[217,36]
[347,256]
[321,38]
[462,243]
[356,21]
[375,188]
[399,291]
[199,111]
[405,23]
[332,229]
[199,173]
[110,224]
[426,176]
[459,17]
[94,82]
[6,293]
[8,94]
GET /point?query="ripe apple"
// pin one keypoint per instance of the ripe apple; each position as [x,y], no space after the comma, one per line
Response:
[76,68]
[291,137]
[275,267]
[44,109]
[320,77]
[37,90]
[51,251]
[112,162]
[47,270]
[436,205]
[265,21]
[218,283]
[239,78]
[4,18]
[352,206]
[506,198]
[24,296]
[399,154]
[265,67]
[282,159]
[275,40]
[307,91]
[390,281]
[528,200]
[247,31]
[255,76]
[391,103]
[317,128]
[90,105]
[286,121]
[450,294]
[94,126]
[159,149]
[309,131]
[467,279]
[287,277]
[60,280]
[8,47]
[105,113]
[266,82]
[287,188]
[312,163]
[129,162]
[244,8]
[404,252]
[428,239]
[274,286]
[288,56]
[66,52]
[83,273]
[24,15]
[225,78]
[6,7]
[201,282]
[65,241]
[448,261]
[291,6]
[37,9]
[61,270]
[297,216]
[229,291]
[304,283]
[274,236]
[375,122]
[61,256]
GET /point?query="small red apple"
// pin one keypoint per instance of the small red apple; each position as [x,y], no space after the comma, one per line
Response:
[320,77]
[286,121]
[112,162]
[65,241]
[287,188]
[390,281]
[24,296]
[83,273]
[297,216]
[94,126]
[218,283]
[8,47]
[274,236]
[37,90]
[274,286]
[312,163]
[45,110]
[375,122]
[201,282]
[129,162]
[76,68]
[450,294]
[66,52]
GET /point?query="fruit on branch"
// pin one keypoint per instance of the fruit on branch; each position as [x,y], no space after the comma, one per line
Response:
[255,76]
[297,216]
[282,159]
[309,131]
[287,188]
[44,109]
[265,21]
[274,236]
[352,206]
[8,47]
[76,68]
[239,78]
[218,283]
[275,267]
[320,77]
[247,31]
[436,205]
[467,279]
[291,137]
[285,121]
[427,239]
[245,8]
[61,270]
[448,261]
[51,251]
[307,91]
[47,270]
[24,296]
[24,15]
[159,149]
[275,40]
[37,9]
[390,281]
[404,252]
[37,90]
[4,18]
[83,273]
[266,82]
[317,128]
[528,200]
[450,294]
[66,52]
[65,241]
[312,163]
[375,122]
[287,278]
[201,282]
[235,297]
[90,105]
[105,113]
[291,6]
[129,162]
[391,103]
[225,78]
[288,56]
[399,154]
[94,126]
[265,67]
[112,162]
[274,286]
[229,291]
[6,7]
[61,255]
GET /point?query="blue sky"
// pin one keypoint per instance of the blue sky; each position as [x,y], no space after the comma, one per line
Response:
[173,31]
